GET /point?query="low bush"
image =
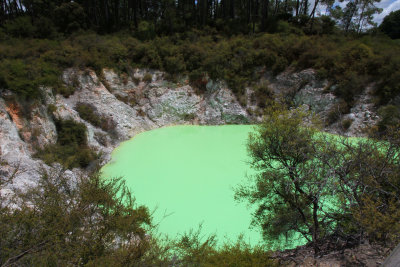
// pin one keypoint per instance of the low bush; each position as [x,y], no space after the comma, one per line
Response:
[337,111]
[71,149]
[147,78]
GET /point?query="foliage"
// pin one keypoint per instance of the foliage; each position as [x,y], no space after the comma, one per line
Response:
[90,114]
[319,185]
[389,119]
[20,27]
[263,94]
[292,181]
[193,250]
[70,17]
[147,78]
[71,149]
[350,63]
[391,24]
[64,222]
[369,181]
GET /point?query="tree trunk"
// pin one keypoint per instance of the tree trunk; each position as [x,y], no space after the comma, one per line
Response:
[315,233]
[313,14]
[276,7]
[135,13]
[232,9]
[305,7]
[264,15]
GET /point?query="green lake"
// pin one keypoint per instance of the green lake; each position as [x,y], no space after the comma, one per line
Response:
[186,174]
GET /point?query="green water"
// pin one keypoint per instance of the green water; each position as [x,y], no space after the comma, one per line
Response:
[187,173]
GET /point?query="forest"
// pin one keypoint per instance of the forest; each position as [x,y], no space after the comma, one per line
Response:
[170,16]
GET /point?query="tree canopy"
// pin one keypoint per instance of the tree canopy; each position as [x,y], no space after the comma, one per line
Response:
[391,24]
[170,16]
[320,185]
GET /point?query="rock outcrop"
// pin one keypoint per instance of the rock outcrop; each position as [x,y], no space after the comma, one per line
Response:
[132,104]
[304,88]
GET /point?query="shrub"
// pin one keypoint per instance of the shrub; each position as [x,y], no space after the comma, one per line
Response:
[346,124]
[391,24]
[88,113]
[263,94]
[145,30]
[148,78]
[389,118]
[70,17]
[51,109]
[71,149]
[337,111]
[60,222]
[20,27]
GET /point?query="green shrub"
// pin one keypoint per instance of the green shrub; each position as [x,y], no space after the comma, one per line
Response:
[20,27]
[51,109]
[71,149]
[147,78]
[391,24]
[88,113]
[337,111]
[346,124]
[263,94]
[389,118]
[198,80]
[145,30]
[75,223]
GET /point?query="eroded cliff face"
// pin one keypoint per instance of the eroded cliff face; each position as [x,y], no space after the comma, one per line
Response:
[130,104]
[142,101]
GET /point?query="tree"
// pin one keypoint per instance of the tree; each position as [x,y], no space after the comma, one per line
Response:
[357,14]
[64,221]
[320,185]
[293,180]
[368,177]
[391,24]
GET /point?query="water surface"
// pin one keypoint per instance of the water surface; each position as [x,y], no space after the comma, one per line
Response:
[187,175]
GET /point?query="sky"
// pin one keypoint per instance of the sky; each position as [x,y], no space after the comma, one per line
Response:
[388,6]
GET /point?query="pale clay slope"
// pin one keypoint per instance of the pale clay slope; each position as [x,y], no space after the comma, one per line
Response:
[154,104]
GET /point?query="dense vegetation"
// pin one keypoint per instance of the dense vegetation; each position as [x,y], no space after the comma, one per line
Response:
[350,63]
[71,149]
[322,186]
[391,25]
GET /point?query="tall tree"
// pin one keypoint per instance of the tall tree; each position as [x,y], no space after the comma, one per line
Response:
[264,14]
